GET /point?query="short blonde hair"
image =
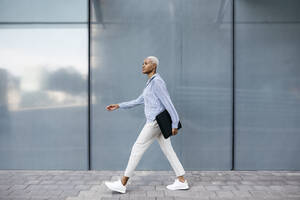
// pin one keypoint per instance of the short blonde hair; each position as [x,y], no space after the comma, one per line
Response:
[154,60]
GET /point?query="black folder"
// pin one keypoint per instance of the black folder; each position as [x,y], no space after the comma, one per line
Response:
[165,123]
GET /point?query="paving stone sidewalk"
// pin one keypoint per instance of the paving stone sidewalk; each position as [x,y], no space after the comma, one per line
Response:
[149,185]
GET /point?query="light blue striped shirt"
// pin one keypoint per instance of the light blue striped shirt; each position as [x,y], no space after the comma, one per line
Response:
[156,98]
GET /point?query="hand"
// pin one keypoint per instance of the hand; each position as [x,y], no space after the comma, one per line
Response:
[112,107]
[174,131]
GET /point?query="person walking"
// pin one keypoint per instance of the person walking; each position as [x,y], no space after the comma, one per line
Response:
[155,98]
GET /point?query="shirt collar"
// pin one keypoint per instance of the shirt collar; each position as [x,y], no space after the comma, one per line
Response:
[151,78]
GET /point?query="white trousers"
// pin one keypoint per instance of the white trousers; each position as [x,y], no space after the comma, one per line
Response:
[146,137]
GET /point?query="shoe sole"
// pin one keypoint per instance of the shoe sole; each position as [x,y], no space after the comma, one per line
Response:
[114,189]
[185,188]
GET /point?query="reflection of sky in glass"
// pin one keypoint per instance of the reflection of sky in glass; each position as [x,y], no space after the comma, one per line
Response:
[52,48]
[45,66]
[44,11]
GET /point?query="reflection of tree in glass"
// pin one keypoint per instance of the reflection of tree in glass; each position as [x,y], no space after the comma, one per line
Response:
[66,79]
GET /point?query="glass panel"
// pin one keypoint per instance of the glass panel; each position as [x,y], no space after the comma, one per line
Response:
[267,85]
[33,11]
[43,96]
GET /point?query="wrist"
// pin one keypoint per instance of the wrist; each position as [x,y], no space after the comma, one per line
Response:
[175,125]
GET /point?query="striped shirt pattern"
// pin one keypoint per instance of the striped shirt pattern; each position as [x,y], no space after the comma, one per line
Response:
[155,98]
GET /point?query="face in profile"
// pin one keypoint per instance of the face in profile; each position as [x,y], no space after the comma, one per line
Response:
[148,66]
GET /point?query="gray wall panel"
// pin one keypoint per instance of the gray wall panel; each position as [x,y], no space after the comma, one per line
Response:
[193,42]
[267,85]
[43,82]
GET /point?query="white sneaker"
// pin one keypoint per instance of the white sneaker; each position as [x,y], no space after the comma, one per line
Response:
[178,185]
[116,186]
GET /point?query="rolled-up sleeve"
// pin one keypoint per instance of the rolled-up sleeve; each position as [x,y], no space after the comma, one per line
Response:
[160,90]
[132,103]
